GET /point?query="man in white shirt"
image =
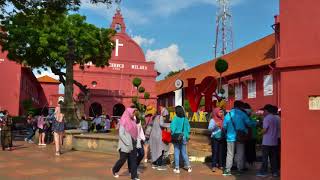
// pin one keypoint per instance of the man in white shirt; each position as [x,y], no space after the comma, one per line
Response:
[84,124]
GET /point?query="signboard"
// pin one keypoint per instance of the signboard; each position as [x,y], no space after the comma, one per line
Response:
[115,66]
[314,102]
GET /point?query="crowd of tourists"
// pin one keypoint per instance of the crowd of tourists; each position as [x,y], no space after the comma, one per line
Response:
[234,137]
[162,141]
[233,140]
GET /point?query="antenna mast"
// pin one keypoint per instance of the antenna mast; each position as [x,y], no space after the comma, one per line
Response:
[224,33]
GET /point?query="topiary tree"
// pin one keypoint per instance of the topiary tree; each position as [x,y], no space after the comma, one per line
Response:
[221,66]
[136,82]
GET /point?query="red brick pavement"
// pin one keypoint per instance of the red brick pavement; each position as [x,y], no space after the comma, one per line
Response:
[30,162]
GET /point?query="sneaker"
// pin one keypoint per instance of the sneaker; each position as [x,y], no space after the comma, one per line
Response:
[226,173]
[25,139]
[145,160]
[43,144]
[176,170]
[136,179]
[189,169]
[30,141]
[260,174]
[57,153]
[39,144]
[154,166]
[161,168]
[115,175]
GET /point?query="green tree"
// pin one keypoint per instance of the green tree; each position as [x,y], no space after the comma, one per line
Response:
[43,34]
[172,73]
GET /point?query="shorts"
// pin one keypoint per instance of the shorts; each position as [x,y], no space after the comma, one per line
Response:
[41,130]
[58,126]
[147,141]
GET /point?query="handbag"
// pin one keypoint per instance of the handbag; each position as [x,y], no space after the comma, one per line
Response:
[166,136]
[241,136]
[177,138]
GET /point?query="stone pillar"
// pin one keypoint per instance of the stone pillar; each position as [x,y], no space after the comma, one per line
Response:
[178,97]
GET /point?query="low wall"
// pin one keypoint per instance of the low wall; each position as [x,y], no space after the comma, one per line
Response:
[198,147]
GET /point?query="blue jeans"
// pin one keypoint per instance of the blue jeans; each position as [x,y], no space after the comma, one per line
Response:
[31,133]
[181,148]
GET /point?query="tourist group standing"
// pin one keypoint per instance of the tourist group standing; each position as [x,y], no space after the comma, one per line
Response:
[234,136]
[135,141]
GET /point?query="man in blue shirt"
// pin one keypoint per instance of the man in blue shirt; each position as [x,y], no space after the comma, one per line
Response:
[236,120]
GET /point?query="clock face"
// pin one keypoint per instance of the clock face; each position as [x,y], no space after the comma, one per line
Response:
[178,83]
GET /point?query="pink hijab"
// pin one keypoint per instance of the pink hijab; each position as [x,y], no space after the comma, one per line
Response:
[218,119]
[128,122]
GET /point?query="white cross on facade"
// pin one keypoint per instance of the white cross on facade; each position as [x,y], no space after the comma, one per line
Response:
[117,46]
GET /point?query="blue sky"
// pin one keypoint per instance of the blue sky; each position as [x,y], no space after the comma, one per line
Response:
[180,33]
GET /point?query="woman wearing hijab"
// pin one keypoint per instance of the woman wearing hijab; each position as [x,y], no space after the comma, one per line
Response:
[6,131]
[157,147]
[218,142]
[180,124]
[127,146]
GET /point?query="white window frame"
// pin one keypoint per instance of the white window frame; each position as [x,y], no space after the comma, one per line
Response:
[268,85]
[252,89]
[238,92]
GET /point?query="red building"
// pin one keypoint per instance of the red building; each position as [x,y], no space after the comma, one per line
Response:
[299,67]
[250,77]
[51,89]
[18,84]
[111,88]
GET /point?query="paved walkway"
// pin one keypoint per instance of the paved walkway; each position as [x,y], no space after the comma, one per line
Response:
[30,162]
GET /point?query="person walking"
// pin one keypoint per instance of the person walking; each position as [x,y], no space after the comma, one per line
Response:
[180,127]
[41,127]
[6,130]
[235,123]
[269,142]
[30,128]
[157,147]
[149,115]
[58,128]
[218,141]
[128,135]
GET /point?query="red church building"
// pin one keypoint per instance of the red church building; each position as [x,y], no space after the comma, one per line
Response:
[111,88]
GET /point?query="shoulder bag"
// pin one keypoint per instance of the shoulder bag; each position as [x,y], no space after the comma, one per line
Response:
[241,136]
[177,138]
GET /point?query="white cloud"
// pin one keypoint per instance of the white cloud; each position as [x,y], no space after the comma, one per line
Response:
[44,73]
[143,41]
[133,16]
[167,59]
